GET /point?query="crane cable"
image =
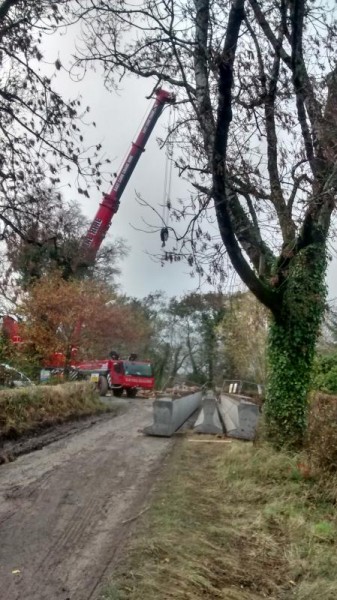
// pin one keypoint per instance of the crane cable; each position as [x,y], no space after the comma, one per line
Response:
[167,204]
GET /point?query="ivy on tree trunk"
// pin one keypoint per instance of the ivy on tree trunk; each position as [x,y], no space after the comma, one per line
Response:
[291,347]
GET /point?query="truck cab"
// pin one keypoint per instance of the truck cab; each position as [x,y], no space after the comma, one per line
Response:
[118,375]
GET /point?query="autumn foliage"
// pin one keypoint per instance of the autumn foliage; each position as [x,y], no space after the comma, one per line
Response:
[58,315]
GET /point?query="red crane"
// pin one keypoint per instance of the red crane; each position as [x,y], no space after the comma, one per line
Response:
[116,373]
[110,203]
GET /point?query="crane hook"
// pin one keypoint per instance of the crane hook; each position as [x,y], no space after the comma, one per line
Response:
[164,236]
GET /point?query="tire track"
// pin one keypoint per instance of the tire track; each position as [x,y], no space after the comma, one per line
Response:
[62,508]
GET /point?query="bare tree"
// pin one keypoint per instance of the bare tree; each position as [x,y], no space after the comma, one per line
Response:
[39,130]
[256,132]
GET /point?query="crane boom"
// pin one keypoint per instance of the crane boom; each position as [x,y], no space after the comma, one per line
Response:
[110,203]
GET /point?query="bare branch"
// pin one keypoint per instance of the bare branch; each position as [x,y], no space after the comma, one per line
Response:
[5,7]
[204,105]
[224,117]
[269,89]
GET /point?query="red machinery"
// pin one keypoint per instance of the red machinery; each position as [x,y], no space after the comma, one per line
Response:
[105,371]
[118,375]
[109,206]
[10,328]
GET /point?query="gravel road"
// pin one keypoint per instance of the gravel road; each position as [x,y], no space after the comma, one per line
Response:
[66,511]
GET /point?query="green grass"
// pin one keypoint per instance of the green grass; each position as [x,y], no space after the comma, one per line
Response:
[27,409]
[233,522]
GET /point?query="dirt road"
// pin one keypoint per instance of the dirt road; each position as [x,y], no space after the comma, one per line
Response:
[66,510]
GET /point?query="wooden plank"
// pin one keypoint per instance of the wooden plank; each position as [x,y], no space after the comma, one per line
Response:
[210,441]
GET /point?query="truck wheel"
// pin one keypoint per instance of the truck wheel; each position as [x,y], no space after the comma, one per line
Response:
[103,385]
[118,392]
[131,392]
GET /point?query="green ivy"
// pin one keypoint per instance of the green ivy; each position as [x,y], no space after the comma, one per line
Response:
[291,347]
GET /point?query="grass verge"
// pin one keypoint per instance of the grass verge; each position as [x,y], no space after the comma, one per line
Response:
[233,522]
[28,409]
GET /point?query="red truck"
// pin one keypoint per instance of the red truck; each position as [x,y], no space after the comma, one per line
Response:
[117,375]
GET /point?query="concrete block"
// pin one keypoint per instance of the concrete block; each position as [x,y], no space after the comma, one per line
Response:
[240,417]
[208,420]
[169,415]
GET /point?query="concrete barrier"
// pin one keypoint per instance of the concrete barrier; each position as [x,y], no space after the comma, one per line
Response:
[240,417]
[208,420]
[169,415]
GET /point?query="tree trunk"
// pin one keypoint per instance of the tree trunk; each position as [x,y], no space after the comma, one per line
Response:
[195,369]
[67,362]
[161,366]
[175,367]
[291,347]
[210,348]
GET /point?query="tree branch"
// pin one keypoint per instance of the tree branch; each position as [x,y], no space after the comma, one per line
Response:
[269,90]
[305,97]
[224,117]
[204,105]
[5,8]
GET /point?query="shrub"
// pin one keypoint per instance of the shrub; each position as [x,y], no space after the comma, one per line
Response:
[27,409]
[322,432]
[325,373]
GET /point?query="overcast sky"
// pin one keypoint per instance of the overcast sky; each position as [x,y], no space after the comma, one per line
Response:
[118,117]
